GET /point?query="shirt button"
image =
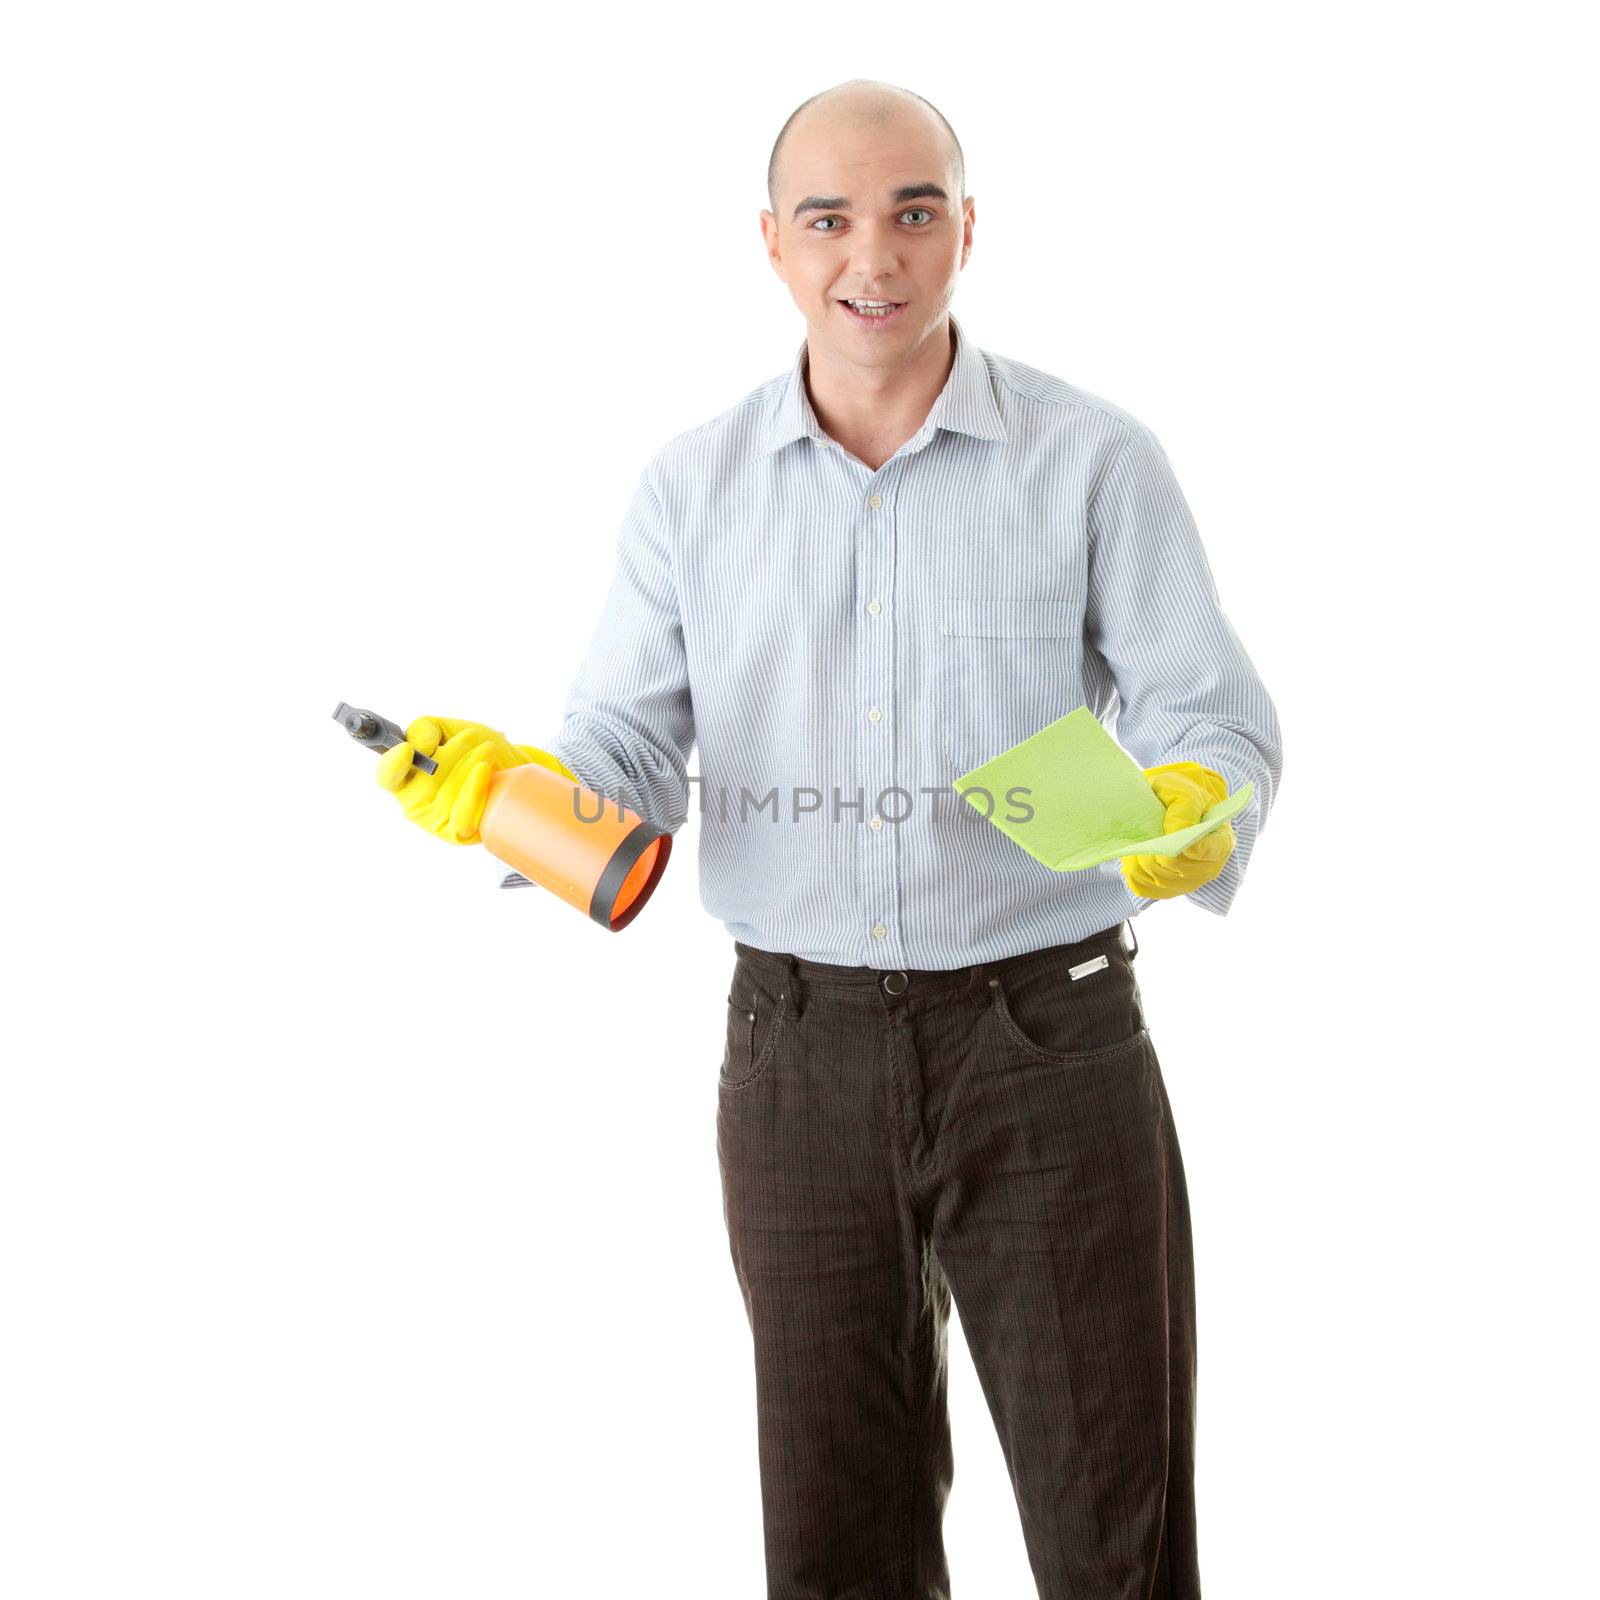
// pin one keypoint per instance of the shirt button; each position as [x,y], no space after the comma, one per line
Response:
[874,607]
[821,444]
[874,715]
[876,824]
[875,501]
[878,930]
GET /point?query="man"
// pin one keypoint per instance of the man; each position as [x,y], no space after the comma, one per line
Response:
[872,574]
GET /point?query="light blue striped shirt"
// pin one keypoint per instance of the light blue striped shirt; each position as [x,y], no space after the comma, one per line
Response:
[839,641]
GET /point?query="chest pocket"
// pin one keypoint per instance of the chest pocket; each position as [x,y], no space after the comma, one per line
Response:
[1006,668]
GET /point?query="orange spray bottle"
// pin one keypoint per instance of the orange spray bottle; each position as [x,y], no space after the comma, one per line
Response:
[596,854]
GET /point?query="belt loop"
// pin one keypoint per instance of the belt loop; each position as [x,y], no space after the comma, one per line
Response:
[1133,952]
[792,985]
[975,981]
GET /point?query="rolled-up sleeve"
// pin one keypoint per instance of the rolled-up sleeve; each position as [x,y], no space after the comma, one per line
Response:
[628,727]
[1185,688]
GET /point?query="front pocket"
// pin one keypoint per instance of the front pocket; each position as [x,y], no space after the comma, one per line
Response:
[1006,669]
[1052,1016]
[753,1026]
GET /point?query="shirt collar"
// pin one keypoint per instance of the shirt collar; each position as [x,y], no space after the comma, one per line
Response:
[966,404]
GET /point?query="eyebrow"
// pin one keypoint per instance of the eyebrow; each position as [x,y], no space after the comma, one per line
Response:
[837,202]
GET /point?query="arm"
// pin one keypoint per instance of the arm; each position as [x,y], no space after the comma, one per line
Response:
[628,726]
[1186,689]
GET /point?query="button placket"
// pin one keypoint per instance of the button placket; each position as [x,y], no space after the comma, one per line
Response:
[875,600]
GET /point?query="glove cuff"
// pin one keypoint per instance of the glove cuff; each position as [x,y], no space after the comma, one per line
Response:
[544,759]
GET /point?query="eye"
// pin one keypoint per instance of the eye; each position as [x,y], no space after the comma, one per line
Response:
[817,227]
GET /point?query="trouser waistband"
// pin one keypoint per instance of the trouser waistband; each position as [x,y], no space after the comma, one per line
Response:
[821,977]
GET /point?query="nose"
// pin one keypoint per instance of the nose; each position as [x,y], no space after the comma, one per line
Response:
[875,255]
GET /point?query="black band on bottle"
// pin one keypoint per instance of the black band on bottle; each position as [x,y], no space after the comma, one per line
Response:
[622,862]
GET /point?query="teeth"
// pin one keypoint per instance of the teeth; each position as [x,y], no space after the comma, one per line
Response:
[871,302]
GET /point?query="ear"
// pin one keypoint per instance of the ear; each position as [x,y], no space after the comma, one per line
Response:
[769,236]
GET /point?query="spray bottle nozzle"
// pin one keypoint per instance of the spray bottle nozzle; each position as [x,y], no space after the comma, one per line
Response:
[378,733]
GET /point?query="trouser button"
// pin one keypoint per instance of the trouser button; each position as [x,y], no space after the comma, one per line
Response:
[895,982]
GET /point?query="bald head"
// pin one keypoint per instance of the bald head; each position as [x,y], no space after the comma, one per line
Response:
[865,102]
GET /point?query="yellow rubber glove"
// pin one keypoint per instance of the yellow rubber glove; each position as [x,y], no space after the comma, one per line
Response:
[1188,791]
[533,753]
[449,801]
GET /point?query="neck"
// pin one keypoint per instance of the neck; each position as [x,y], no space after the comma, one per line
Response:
[879,408]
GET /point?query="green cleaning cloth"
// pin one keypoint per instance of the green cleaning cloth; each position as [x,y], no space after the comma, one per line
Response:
[1090,800]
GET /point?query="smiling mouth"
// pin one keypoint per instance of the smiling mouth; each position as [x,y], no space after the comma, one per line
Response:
[872,310]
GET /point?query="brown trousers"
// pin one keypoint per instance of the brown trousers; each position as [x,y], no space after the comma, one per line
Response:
[1000,1133]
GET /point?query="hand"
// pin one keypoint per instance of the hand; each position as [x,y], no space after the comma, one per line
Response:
[1188,791]
[448,802]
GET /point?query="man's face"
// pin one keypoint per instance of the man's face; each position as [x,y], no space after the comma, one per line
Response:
[860,235]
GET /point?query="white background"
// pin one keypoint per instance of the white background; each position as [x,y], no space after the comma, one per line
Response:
[360,1224]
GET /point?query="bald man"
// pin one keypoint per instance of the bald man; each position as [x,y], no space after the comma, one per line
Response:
[872,377]
[875,572]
